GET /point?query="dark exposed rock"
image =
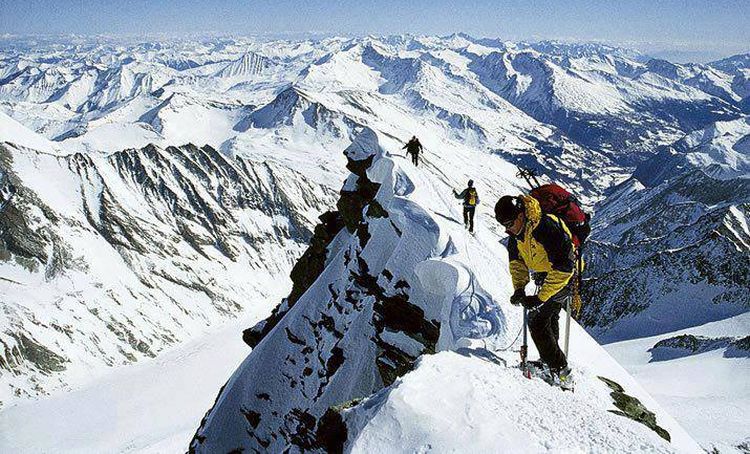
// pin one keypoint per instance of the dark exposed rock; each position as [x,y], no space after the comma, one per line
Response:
[401,284]
[126,335]
[678,244]
[396,313]
[335,361]
[18,239]
[352,203]
[739,348]
[332,432]
[294,339]
[187,195]
[27,349]
[363,234]
[392,363]
[253,418]
[317,345]
[686,345]
[303,426]
[375,210]
[632,408]
[311,264]
[360,167]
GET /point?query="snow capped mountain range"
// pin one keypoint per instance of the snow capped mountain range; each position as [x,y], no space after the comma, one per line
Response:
[162,187]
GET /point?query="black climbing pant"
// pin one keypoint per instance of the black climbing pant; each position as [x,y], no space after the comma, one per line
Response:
[415,158]
[544,326]
[469,217]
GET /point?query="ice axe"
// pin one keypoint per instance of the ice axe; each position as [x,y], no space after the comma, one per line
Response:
[525,346]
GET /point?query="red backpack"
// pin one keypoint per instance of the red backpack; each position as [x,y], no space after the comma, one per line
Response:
[559,202]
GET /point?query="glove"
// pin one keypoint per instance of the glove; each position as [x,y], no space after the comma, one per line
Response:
[531,302]
[517,298]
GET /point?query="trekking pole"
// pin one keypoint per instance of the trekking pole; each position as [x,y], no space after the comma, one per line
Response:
[528,175]
[567,324]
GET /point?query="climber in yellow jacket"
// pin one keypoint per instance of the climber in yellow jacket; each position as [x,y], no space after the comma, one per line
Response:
[539,243]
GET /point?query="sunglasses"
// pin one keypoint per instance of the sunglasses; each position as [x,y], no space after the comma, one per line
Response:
[509,223]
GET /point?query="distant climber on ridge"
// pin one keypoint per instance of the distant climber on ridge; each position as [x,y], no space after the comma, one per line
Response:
[413,147]
[471,199]
[540,243]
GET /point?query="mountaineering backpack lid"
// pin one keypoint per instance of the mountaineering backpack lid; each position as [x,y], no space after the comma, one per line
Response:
[472,196]
[555,200]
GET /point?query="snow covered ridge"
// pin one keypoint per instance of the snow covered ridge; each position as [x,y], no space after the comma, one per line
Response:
[108,259]
[348,362]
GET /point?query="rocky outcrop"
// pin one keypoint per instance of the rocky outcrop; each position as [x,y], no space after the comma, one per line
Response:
[630,407]
[345,331]
[350,213]
[688,344]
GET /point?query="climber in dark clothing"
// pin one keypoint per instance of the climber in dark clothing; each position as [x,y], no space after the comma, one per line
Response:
[471,199]
[540,243]
[413,147]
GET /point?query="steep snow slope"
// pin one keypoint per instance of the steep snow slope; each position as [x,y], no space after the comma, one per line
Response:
[698,385]
[396,279]
[739,67]
[726,144]
[461,402]
[134,204]
[305,107]
[249,64]
[722,149]
[449,110]
[131,252]
[13,132]
[706,78]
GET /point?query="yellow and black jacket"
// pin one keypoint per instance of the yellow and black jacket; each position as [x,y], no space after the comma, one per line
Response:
[543,246]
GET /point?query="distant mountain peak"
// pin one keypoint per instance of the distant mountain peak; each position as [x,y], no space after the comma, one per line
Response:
[249,64]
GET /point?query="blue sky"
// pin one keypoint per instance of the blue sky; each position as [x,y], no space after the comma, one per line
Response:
[717,26]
